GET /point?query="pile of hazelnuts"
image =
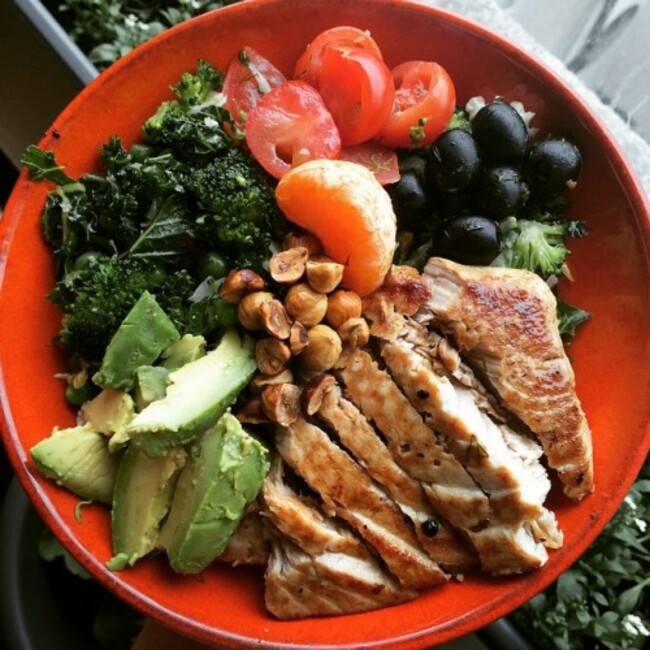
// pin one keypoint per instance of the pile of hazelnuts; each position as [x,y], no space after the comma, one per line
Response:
[302,325]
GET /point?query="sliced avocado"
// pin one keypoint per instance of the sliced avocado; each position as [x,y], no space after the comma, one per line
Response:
[198,394]
[109,411]
[214,488]
[140,339]
[78,459]
[150,385]
[190,348]
[141,499]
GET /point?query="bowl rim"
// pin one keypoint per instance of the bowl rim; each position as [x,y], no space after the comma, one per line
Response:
[629,184]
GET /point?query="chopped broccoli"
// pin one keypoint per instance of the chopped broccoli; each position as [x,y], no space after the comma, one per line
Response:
[96,300]
[191,126]
[459,120]
[534,245]
[240,214]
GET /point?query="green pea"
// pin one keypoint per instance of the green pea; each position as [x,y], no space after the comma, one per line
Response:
[77,396]
[87,260]
[226,313]
[156,276]
[212,265]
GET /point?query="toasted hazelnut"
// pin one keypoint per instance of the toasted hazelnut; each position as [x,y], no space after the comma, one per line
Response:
[315,391]
[305,304]
[297,337]
[323,273]
[323,349]
[238,283]
[341,306]
[354,332]
[271,355]
[281,403]
[275,319]
[258,382]
[304,239]
[248,310]
[252,412]
[288,266]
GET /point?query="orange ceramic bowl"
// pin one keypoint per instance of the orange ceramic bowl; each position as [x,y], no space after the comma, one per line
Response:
[611,354]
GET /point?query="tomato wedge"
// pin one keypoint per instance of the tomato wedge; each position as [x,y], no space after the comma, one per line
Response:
[309,64]
[290,125]
[424,102]
[381,161]
[249,76]
[357,89]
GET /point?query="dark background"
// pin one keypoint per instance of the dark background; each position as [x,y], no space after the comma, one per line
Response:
[8,175]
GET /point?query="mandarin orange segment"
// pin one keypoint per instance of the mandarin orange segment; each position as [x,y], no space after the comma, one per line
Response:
[343,204]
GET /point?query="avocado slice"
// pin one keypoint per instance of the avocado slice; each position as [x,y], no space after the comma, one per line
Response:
[198,394]
[150,385]
[190,348]
[140,339]
[214,488]
[109,411]
[78,459]
[141,499]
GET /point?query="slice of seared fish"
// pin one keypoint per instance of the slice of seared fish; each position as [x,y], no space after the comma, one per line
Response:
[317,565]
[348,492]
[504,321]
[440,541]
[298,585]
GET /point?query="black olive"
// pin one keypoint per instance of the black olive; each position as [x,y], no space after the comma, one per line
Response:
[501,134]
[500,192]
[412,163]
[553,165]
[453,161]
[469,240]
[430,527]
[452,204]
[409,198]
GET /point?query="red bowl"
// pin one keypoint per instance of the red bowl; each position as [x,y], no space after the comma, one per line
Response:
[611,354]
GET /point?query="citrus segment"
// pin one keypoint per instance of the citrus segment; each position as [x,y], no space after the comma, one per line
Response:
[343,204]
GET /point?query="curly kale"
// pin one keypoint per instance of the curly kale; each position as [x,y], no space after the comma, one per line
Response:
[96,300]
[106,30]
[534,245]
[138,202]
[239,212]
[191,126]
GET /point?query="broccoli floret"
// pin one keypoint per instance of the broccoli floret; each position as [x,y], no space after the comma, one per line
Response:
[534,245]
[191,126]
[460,120]
[240,214]
[96,300]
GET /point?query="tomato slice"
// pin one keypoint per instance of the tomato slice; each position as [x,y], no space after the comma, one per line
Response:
[290,125]
[424,102]
[309,64]
[381,161]
[249,76]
